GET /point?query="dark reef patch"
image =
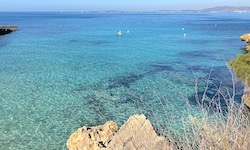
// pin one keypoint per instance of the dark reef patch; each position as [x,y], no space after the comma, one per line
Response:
[81,88]
[124,81]
[100,42]
[159,67]
[198,42]
[78,41]
[198,68]
[91,42]
[197,55]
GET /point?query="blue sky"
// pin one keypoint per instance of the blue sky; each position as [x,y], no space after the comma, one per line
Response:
[130,5]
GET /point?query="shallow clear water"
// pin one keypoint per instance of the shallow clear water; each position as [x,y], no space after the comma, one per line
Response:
[61,71]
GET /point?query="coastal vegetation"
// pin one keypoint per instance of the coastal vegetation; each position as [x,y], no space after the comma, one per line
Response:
[241,66]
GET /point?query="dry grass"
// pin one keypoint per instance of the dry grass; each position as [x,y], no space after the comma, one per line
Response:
[223,129]
[230,132]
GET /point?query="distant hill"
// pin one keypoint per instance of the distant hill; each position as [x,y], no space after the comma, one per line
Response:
[240,9]
[219,9]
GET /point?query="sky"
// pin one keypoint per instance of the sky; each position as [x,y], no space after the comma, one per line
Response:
[125,5]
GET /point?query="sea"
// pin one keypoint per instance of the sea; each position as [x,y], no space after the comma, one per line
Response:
[63,70]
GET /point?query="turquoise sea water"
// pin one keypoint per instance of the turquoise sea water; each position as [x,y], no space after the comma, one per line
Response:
[61,71]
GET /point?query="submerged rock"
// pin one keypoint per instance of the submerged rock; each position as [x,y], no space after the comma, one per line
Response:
[94,138]
[136,134]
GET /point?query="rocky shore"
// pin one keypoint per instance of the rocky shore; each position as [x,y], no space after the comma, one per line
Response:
[241,67]
[246,96]
[7,29]
[246,38]
[136,134]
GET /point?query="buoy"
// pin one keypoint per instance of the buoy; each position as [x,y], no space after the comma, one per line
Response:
[119,33]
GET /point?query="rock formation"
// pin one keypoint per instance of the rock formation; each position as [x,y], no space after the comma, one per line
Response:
[7,29]
[94,138]
[246,96]
[136,134]
[246,38]
[248,47]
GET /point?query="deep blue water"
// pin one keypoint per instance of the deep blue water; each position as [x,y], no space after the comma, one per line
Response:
[61,71]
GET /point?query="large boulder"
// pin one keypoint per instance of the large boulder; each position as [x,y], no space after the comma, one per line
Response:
[94,138]
[138,134]
[245,37]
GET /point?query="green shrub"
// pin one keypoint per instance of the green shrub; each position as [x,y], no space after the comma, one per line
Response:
[241,67]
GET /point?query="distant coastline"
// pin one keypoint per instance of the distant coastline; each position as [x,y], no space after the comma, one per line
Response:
[219,9]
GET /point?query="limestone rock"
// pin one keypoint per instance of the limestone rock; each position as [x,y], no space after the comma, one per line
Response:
[246,100]
[137,134]
[94,138]
[245,37]
[248,47]
[246,96]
